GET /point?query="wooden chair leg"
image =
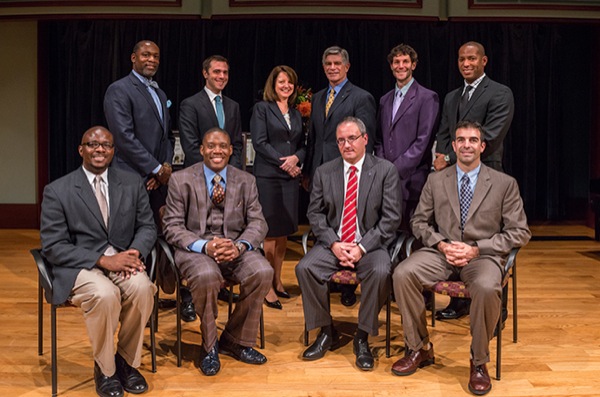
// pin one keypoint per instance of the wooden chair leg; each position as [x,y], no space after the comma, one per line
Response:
[514,297]
[388,325]
[262,329]
[178,308]
[499,345]
[40,317]
[152,334]
[54,358]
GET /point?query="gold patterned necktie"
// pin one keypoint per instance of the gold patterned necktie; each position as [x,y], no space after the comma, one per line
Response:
[218,195]
[330,99]
[102,203]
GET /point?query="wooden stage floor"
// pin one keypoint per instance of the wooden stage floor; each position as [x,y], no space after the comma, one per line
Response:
[557,354]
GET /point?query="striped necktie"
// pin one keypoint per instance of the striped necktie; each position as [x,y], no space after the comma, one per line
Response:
[349,214]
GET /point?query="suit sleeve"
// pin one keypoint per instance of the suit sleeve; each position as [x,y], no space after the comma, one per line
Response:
[423,223]
[317,212]
[118,110]
[443,137]
[367,113]
[498,118]
[145,228]
[408,161]
[174,218]
[378,144]
[189,131]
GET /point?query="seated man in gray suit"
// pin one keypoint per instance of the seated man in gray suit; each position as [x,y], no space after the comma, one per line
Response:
[354,212]
[96,229]
[469,217]
[214,221]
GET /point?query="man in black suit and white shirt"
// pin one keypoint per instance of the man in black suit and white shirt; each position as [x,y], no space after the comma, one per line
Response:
[210,108]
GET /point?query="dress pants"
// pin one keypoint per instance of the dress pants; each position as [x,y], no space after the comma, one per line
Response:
[204,278]
[423,269]
[105,299]
[316,268]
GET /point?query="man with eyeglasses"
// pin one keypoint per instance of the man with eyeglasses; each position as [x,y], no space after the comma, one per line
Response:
[96,229]
[354,214]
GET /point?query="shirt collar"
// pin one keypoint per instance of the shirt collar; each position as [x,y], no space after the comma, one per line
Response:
[358,165]
[91,176]
[210,174]
[212,95]
[338,87]
[404,89]
[141,78]
[475,83]
[470,174]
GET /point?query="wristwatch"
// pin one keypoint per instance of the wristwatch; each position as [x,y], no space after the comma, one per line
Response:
[241,247]
[447,158]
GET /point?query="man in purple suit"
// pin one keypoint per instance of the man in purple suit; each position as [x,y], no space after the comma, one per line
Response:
[406,123]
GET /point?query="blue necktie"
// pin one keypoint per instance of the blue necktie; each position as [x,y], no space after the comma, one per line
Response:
[220,114]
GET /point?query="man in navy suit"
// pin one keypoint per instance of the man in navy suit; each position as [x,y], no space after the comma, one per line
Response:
[202,111]
[96,228]
[406,123]
[330,106]
[137,113]
[487,102]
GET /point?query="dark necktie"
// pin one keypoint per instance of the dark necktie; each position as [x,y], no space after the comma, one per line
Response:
[102,203]
[349,214]
[330,99]
[464,100]
[465,196]
[220,113]
[218,194]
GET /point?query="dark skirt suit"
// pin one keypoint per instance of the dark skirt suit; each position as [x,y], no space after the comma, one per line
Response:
[278,191]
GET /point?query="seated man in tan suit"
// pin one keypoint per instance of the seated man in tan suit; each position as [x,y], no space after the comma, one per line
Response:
[96,226]
[214,221]
[469,217]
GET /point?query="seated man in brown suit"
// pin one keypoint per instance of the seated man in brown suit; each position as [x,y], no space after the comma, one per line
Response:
[214,221]
[469,217]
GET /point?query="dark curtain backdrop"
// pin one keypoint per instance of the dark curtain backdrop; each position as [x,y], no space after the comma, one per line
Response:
[547,65]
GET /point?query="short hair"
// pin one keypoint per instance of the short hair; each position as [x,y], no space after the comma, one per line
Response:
[140,43]
[475,44]
[469,124]
[335,50]
[215,130]
[403,49]
[354,120]
[217,58]
[269,93]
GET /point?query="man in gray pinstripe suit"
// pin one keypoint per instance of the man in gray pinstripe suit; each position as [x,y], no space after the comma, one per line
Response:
[378,215]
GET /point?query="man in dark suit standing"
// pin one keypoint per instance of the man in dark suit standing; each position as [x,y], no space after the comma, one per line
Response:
[214,221]
[96,228]
[406,122]
[469,217]
[483,100]
[330,106]
[210,108]
[137,113]
[354,214]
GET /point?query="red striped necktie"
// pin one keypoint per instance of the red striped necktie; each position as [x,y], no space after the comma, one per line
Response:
[349,214]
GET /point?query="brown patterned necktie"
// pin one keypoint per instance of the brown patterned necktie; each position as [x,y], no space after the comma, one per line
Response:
[330,99]
[218,194]
[102,203]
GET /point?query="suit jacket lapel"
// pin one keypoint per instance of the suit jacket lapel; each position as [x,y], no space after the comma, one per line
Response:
[339,98]
[141,88]
[482,188]
[275,110]
[86,194]
[407,102]
[451,187]
[114,197]
[201,197]
[476,95]
[337,188]
[231,194]
[367,175]
[208,108]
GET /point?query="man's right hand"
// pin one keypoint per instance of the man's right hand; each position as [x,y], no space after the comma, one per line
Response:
[343,251]
[439,163]
[126,262]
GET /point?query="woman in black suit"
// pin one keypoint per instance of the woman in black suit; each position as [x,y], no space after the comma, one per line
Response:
[278,140]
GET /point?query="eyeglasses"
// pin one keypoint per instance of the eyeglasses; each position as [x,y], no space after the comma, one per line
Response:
[96,145]
[350,140]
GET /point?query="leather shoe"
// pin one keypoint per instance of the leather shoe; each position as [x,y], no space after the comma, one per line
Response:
[282,294]
[107,386]
[457,308]
[274,305]
[413,360]
[364,357]
[188,312]
[130,378]
[320,346]
[479,381]
[210,364]
[348,297]
[224,293]
[245,354]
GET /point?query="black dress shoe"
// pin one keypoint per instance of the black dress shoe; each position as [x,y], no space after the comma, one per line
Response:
[364,357]
[188,312]
[130,378]
[245,354]
[348,297]
[457,308]
[274,305]
[282,294]
[224,296]
[320,346]
[210,363]
[107,386]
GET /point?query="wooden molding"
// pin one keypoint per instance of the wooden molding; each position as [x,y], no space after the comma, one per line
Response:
[566,5]
[94,3]
[340,3]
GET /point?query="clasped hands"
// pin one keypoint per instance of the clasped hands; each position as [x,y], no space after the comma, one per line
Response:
[347,253]
[289,165]
[125,264]
[221,250]
[458,253]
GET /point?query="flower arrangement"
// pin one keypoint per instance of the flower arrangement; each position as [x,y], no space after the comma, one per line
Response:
[303,101]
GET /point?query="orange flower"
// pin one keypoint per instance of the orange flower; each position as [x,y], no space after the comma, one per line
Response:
[304,108]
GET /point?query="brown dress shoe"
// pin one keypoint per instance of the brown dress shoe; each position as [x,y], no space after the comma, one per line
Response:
[412,360]
[479,381]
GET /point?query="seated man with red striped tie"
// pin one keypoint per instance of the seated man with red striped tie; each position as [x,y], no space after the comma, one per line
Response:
[354,213]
